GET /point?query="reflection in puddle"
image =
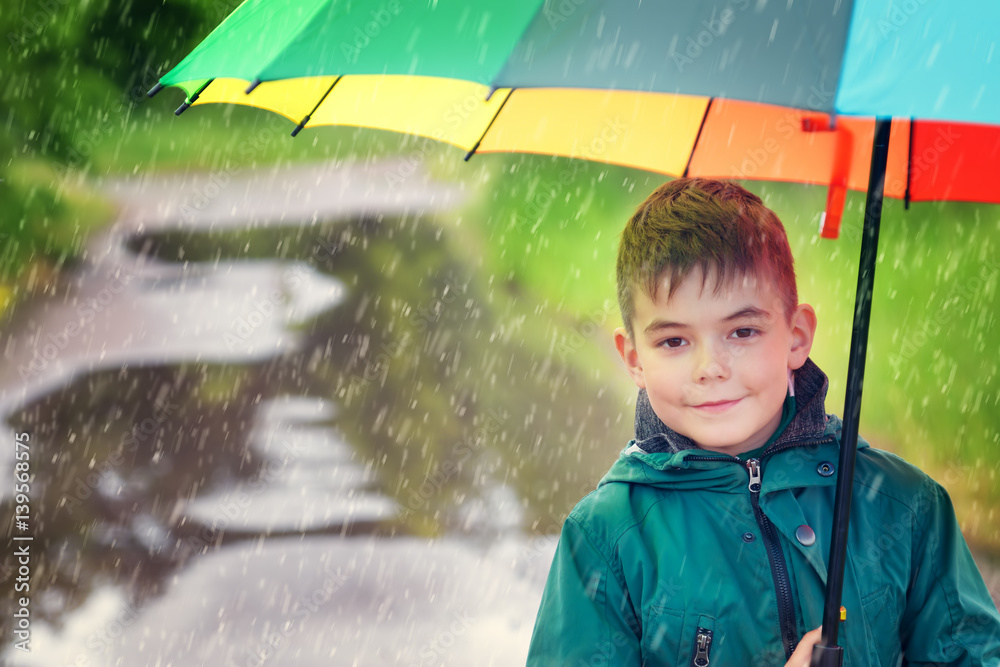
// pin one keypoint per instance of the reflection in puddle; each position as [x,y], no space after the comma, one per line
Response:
[309,483]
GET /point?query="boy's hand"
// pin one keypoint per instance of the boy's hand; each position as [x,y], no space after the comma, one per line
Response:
[802,657]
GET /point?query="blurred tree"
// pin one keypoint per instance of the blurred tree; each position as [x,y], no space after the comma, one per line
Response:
[66,62]
[72,73]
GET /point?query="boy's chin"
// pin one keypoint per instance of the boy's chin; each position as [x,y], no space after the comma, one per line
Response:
[737,444]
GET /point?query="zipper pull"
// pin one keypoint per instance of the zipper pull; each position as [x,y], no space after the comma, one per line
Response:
[702,648]
[753,467]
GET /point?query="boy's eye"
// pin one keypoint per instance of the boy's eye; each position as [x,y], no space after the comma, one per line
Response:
[672,342]
[744,333]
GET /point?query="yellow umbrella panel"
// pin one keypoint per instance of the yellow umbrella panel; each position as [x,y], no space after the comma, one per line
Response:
[449,110]
[665,133]
[652,131]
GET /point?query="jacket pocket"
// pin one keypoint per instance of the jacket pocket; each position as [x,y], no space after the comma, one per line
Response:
[882,619]
[661,636]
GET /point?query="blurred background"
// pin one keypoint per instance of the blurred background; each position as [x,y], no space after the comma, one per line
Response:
[327,400]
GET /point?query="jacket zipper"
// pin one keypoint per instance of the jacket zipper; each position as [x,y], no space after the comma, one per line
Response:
[779,567]
[702,648]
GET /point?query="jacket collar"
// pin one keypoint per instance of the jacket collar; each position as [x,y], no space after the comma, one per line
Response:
[811,384]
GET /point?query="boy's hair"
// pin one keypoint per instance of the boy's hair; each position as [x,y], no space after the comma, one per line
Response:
[692,222]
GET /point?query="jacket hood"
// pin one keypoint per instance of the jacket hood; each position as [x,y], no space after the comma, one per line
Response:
[657,451]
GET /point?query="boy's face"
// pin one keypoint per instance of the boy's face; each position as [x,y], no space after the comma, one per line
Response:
[715,364]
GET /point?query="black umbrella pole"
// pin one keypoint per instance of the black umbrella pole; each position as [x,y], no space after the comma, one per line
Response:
[827,653]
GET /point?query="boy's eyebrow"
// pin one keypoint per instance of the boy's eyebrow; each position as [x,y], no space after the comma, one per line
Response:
[750,312]
[656,325]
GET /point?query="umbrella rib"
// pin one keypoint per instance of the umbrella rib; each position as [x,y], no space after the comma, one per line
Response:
[909,166]
[189,101]
[302,123]
[701,127]
[492,120]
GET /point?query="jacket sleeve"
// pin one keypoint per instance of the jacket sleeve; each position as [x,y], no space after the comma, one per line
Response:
[586,615]
[950,618]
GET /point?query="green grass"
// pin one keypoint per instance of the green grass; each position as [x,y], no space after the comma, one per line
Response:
[45,224]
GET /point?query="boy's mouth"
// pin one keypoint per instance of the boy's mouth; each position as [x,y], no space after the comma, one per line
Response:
[716,406]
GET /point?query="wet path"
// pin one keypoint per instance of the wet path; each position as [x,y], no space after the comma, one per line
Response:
[123,306]
[201,495]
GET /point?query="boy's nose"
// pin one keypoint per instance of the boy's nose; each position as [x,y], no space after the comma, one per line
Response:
[713,364]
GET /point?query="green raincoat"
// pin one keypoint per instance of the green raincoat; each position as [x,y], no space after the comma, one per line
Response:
[684,556]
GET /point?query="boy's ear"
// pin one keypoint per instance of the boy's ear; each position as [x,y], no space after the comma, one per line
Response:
[626,348]
[803,334]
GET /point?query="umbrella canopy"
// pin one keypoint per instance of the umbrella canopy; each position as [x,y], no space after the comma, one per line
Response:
[484,78]
[777,91]
[931,59]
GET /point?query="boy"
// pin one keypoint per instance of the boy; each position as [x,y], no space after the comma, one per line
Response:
[707,541]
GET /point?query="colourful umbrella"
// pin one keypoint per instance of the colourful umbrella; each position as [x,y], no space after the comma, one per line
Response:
[445,72]
[775,91]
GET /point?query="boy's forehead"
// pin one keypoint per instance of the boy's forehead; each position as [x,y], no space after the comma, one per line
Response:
[696,299]
[712,285]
